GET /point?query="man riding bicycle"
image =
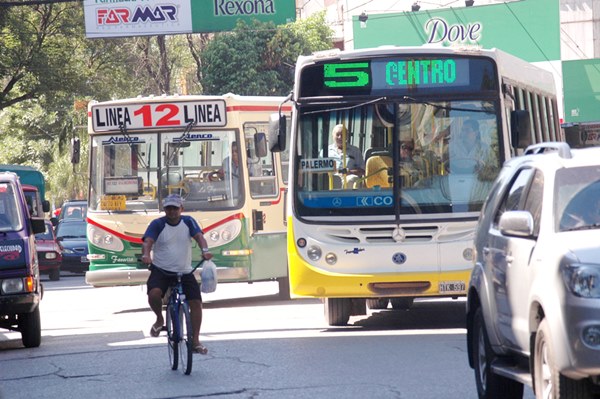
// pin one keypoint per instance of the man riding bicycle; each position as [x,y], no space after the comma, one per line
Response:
[167,248]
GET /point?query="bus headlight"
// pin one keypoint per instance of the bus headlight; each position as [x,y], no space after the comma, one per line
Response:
[314,253]
[103,239]
[225,232]
[330,258]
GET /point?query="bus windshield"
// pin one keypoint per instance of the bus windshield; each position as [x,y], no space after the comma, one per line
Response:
[132,171]
[439,157]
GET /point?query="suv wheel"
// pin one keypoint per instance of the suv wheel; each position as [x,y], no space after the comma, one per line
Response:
[31,328]
[549,383]
[489,385]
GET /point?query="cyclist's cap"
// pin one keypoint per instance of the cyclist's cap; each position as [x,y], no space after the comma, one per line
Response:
[173,200]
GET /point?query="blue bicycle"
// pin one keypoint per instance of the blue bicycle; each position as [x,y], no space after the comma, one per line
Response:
[179,327]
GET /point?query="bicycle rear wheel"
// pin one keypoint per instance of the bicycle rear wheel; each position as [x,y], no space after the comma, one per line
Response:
[187,338]
[173,336]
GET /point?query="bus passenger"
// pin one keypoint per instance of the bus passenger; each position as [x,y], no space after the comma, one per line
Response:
[467,150]
[409,170]
[230,170]
[167,246]
[355,163]
[468,145]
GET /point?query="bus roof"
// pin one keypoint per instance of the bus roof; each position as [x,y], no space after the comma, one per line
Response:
[509,66]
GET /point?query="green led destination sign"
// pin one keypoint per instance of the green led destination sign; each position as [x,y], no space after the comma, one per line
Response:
[400,73]
[402,76]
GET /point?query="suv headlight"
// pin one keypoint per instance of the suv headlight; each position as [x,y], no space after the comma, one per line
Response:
[582,280]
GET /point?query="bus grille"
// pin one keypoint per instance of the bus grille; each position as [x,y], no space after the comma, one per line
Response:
[414,234]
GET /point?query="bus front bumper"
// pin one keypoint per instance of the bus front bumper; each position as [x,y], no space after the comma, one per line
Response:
[112,277]
[116,277]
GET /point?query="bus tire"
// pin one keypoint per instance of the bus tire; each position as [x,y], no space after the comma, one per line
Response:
[284,288]
[402,303]
[337,311]
[377,303]
[31,328]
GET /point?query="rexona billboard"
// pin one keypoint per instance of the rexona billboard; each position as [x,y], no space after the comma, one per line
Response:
[527,29]
[117,18]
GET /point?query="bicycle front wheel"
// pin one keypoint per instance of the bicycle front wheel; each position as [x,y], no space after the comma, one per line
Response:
[186,339]
[173,336]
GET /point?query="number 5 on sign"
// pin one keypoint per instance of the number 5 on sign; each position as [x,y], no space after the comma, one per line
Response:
[354,74]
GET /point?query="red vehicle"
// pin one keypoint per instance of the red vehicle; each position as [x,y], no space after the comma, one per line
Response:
[49,252]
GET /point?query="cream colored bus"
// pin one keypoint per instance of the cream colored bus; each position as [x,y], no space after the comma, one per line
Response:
[213,151]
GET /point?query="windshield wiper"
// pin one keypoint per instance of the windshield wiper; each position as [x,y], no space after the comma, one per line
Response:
[584,227]
[345,108]
[416,101]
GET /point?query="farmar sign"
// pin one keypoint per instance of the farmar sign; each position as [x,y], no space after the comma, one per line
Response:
[119,18]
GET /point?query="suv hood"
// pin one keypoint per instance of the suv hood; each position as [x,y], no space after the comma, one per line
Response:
[583,244]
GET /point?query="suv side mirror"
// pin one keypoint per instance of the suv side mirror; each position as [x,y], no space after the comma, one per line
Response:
[516,223]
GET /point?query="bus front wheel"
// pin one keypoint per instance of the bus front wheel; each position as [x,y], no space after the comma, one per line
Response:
[284,288]
[337,311]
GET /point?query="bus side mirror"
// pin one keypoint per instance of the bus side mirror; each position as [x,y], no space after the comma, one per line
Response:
[260,144]
[277,132]
[75,150]
[520,128]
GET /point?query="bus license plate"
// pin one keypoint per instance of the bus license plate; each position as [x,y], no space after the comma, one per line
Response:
[452,286]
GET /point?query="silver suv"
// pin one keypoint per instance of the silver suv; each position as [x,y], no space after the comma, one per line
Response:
[533,305]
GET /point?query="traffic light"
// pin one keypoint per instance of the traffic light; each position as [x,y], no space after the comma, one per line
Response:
[75,150]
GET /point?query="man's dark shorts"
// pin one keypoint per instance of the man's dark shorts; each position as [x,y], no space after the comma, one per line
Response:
[162,280]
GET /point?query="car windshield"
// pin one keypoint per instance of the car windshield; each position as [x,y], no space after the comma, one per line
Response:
[46,235]
[577,193]
[71,230]
[74,211]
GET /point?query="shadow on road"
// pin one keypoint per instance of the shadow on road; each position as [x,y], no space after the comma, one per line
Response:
[422,315]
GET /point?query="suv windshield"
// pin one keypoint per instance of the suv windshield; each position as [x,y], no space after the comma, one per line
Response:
[10,215]
[577,193]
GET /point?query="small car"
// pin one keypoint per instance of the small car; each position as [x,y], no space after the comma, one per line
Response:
[49,252]
[73,209]
[71,235]
[533,302]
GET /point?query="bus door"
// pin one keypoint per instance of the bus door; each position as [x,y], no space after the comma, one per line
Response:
[265,195]
[266,204]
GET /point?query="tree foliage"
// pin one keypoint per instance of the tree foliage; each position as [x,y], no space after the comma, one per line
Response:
[49,71]
[259,58]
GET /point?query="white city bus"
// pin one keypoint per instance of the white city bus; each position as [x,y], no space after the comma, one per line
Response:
[142,149]
[404,228]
